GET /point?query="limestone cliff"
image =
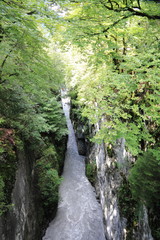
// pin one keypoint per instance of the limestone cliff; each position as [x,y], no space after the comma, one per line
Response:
[112,170]
[121,220]
[20,222]
[29,210]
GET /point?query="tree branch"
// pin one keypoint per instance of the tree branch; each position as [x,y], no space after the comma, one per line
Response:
[10,75]
[137,13]
[143,14]
[116,22]
[133,13]
[2,65]
[5,59]
[129,9]
[112,25]
[32,12]
[109,8]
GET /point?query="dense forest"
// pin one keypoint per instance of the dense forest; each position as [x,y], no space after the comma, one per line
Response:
[107,53]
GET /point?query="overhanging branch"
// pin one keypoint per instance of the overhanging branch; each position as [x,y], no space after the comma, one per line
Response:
[133,10]
[143,14]
[116,22]
[134,13]
[110,26]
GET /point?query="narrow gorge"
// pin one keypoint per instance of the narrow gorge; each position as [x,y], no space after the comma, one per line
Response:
[81,163]
[79,215]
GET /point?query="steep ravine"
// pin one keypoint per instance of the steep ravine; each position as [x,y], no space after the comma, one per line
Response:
[122,221]
[27,215]
[79,215]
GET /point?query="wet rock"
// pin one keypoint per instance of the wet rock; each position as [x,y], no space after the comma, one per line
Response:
[82,150]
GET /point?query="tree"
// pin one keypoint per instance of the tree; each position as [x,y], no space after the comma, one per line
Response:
[145,184]
[119,87]
[30,78]
[144,178]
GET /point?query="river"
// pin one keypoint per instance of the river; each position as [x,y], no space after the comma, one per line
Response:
[79,215]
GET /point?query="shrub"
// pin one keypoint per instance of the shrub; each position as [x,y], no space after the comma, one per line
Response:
[145,185]
[2,200]
[48,178]
[91,172]
[145,178]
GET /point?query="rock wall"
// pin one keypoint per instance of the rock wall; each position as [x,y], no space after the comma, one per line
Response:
[20,223]
[143,231]
[108,181]
[112,166]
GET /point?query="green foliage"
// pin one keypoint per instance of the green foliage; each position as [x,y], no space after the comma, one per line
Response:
[31,72]
[129,208]
[145,178]
[8,162]
[54,117]
[91,172]
[145,185]
[117,77]
[76,115]
[76,110]
[2,198]
[48,178]
[22,43]
[33,125]
[30,120]
[4,206]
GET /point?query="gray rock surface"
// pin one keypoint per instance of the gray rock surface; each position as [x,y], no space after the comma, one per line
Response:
[110,173]
[19,223]
[108,183]
[79,215]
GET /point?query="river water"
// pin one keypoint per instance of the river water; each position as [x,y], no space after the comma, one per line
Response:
[79,215]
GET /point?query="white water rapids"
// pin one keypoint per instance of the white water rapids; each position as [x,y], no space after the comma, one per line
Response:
[79,215]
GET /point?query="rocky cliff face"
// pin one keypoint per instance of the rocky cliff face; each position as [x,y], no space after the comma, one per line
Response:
[121,219]
[20,223]
[108,181]
[112,168]
[29,209]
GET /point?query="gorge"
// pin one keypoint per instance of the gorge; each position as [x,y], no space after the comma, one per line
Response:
[79,215]
[82,164]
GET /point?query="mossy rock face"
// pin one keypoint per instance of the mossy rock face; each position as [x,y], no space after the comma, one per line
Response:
[91,172]
[82,150]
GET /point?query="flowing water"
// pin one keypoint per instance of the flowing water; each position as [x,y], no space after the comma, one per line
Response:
[79,215]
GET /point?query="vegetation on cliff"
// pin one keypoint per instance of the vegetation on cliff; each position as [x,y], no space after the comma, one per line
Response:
[31,117]
[112,62]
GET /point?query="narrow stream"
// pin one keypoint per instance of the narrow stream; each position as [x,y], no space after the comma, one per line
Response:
[79,215]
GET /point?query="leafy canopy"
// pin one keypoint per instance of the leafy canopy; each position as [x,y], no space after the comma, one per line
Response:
[31,73]
[118,84]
